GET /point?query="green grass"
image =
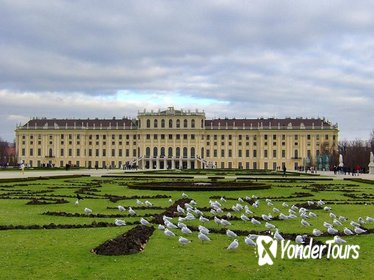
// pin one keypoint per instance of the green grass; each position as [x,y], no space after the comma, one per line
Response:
[65,253]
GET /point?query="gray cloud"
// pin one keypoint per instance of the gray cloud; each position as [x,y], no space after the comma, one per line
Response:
[252,58]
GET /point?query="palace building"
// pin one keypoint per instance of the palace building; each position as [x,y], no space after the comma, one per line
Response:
[175,139]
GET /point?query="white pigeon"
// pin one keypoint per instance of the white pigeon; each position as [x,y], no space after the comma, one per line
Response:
[180,210]
[76,202]
[144,222]
[299,239]
[338,240]
[223,199]
[186,230]
[233,245]
[327,208]
[162,227]
[203,229]
[278,236]
[361,220]
[148,204]
[170,200]
[87,210]
[248,212]
[225,223]
[369,219]
[332,215]
[354,224]
[359,230]
[310,203]
[131,211]
[327,225]
[305,223]
[240,200]
[317,232]
[118,222]
[282,216]
[312,215]
[203,237]
[170,225]
[320,203]
[336,222]
[285,205]
[169,233]
[138,202]
[266,217]
[347,231]
[231,234]
[294,207]
[255,222]
[217,220]
[121,208]
[244,218]
[183,241]
[342,218]
[228,215]
[184,195]
[203,219]
[332,231]
[181,225]
[269,225]
[276,210]
[249,241]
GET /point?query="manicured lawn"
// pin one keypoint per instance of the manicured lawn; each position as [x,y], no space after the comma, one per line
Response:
[66,253]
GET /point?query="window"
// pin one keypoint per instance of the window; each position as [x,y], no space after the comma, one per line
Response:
[78,152]
[148,152]
[127,152]
[247,153]
[222,137]
[207,153]
[254,153]
[120,152]
[62,152]
[148,136]
[326,137]
[31,152]
[162,152]
[148,123]
[296,154]
[178,136]
[170,136]
[274,137]
[170,152]
[23,151]
[170,123]
[113,152]
[230,153]
[178,152]
[39,152]
[155,152]
[222,153]
[215,153]
[104,153]
[192,123]
[283,153]
[70,151]
[90,152]
[192,136]
[97,152]
[155,123]
[155,136]
[308,137]
[239,153]
[185,124]
[266,137]
[185,151]
[185,136]
[134,152]
[162,123]
[274,153]
[178,123]
[192,152]
[283,137]
[265,153]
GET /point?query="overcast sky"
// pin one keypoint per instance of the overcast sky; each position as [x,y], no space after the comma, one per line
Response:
[251,59]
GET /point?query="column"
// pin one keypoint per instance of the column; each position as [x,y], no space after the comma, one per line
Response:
[165,164]
[172,163]
[188,164]
[157,164]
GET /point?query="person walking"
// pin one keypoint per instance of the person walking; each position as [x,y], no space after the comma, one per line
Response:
[284,170]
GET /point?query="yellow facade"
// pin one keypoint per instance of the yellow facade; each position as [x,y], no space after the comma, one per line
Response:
[174,139]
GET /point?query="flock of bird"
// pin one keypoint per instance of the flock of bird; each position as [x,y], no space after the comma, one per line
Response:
[190,212]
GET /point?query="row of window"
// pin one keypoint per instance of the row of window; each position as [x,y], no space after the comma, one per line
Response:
[178,123]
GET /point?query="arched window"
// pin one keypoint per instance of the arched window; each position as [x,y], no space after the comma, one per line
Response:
[148,123]
[185,123]
[170,123]
[162,153]
[155,152]
[193,123]
[155,123]
[50,153]
[185,152]
[170,152]
[178,123]
[148,152]
[192,152]
[178,152]
[162,123]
